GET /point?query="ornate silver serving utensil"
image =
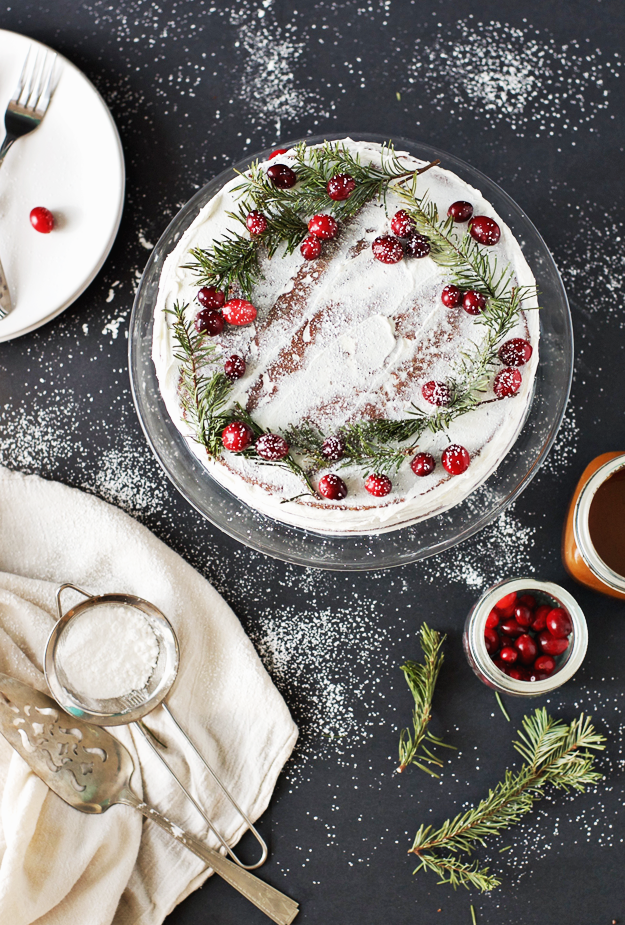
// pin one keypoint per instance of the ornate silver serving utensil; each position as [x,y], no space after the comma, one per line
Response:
[88,768]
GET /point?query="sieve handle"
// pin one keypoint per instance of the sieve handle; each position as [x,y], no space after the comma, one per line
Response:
[64,587]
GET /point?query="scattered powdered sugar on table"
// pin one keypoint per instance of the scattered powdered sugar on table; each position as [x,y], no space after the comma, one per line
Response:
[521,76]
[592,262]
[107,651]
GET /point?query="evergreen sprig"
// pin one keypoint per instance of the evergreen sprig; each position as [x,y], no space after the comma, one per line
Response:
[421,679]
[555,754]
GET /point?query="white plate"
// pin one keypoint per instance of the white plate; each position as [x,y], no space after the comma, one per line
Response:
[72,164]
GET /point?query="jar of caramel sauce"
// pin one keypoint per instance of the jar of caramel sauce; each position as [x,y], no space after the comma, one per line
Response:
[593,547]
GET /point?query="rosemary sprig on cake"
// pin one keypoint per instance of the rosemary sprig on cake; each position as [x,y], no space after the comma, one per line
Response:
[556,754]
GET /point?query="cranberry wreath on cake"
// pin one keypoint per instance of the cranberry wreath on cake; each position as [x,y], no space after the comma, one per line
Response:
[347,337]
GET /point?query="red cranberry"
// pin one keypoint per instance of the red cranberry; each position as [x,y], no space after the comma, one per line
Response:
[323,226]
[42,219]
[460,211]
[378,485]
[436,393]
[540,618]
[507,602]
[515,352]
[451,297]
[423,464]
[310,247]
[402,224]
[209,321]
[333,448]
[484,230]
[272,447]
[536,675]
[511,628]
[501,665]
[491,638]
[237,436]
[332,487]
[234,367]
[455,459]
[282,176]
[239,312]
[506,640]
[492,620]
[417,245]
[508,655]
[527,648]
[277,152]
[528,600]
[473,302]
[256,222]
[545,663]
[507,382]
[387,249]
[523,615]
[209,297]
[559,623]
[552,645]
[340,187]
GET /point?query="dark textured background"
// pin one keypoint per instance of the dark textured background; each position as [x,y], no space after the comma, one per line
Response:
[528,93]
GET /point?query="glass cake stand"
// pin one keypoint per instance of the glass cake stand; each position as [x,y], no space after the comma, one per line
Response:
[405,544]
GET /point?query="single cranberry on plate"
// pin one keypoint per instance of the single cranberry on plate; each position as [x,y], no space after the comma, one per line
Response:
[387,249]
[378,485]
[210,297]
[277,152]
[527,648]
[256,223]
[42,219]
[310,247]
[460,211]
[451,297]
[239,312]
[234,367]
[237,436]
[436,393]
[484,230]
[515,352]
[323,226]
[332,487]
[473,302]
[455,459]
[282,176]
[417,245]
[507,382]
[340,187]
[209,321]
[272,447]
[402,224]
[333,448]
[552,645]
[423,464]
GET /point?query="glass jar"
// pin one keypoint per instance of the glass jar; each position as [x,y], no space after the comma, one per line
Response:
[483,665]
[580,557]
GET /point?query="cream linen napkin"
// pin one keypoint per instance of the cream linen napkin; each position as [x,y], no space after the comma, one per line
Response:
[57,865]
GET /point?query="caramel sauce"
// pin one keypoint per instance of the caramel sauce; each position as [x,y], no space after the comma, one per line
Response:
[606,522]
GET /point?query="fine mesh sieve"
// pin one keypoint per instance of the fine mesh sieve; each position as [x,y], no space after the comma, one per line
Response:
[131,706]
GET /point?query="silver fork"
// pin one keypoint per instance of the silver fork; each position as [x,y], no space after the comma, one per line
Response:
[23,115]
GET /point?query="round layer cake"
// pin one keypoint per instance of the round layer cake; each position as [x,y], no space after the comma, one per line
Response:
[344,343]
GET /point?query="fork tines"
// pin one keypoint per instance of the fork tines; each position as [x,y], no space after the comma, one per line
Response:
[35,86]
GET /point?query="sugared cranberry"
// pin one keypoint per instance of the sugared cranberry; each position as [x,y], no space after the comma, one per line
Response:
[473,302]
[511,628]
[332,487]
[523,615]
[423,464]
[491,638]
[209,297]
[484,230]
[436,393]
[378,485]
[508,655]
[323,226]
[234,367]
[277,152]
[282,176]
[417,245]
[272,447]
[333,448]
[545,663]
[460,211]
[540,618]
[239,312]
[508,602]
[528,600]
[515,352]
[451,297]
[256,223]
[559,623]
[42,219]
[209,321]
[527,648]
[237,436]
[387,249]
[552,645]
[340,187]
[492,620]
[310,247]
[507,382]
[402,224]
[455,459]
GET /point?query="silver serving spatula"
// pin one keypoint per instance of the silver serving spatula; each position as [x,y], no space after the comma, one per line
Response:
[88,768]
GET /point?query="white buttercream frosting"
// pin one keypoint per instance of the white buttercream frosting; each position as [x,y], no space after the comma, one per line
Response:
[349,338]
